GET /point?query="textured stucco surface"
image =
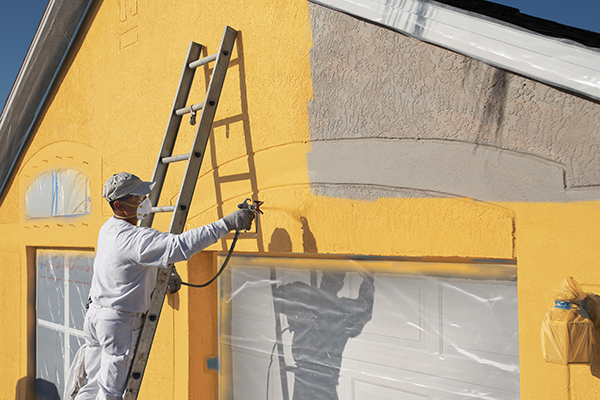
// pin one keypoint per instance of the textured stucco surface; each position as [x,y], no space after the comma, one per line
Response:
[383,85]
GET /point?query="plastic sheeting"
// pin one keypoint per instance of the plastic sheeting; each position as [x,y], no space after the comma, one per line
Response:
[361,329]
[567,329]
[63,284]
[554,61]
[63,192]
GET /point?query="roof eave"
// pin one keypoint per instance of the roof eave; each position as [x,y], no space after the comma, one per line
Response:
[53,39]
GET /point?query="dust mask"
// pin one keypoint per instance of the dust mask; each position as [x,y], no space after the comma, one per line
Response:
[144,209]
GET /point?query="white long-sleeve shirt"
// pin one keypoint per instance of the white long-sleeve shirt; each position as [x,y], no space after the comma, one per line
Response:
[127,258]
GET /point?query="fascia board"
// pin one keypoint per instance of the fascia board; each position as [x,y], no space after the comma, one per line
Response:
[42,27]
[54,37]
[553,61]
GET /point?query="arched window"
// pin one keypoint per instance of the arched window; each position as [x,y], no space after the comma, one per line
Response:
[61,192]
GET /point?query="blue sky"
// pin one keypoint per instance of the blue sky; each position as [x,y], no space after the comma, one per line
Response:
[19,21]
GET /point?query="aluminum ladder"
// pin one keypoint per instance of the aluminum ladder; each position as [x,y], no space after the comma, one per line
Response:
[194,161]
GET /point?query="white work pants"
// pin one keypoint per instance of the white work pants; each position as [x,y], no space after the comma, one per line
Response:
[110,337]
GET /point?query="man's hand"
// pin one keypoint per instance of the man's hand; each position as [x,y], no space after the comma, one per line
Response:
[174,281]
[239,220]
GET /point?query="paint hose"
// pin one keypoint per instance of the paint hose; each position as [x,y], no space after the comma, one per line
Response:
[248,205]
[235,238]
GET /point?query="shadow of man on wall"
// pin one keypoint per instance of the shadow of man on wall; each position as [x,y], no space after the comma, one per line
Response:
[321,324]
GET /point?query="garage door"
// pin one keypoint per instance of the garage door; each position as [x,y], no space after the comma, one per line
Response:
[405,330]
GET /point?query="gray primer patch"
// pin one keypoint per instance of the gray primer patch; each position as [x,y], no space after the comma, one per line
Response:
[371,168]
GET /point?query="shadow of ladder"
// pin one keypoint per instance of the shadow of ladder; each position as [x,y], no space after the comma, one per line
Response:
[249,176]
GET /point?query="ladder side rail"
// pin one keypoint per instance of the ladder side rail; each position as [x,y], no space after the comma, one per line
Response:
[142,351]
[203,131]
[183,91]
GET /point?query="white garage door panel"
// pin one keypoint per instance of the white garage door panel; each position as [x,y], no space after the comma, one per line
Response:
[252,295]
[428,338]
[471,310]
[408,383]
[420,370]
[468,331]
[398,320]
[368,391]
[255,379]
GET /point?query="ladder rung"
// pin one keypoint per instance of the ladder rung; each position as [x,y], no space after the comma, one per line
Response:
[163,209]
[172,159]
[188,109]
[202,61]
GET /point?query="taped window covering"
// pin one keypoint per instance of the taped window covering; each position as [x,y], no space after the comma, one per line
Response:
[63,284]
[63,192]
[321,328]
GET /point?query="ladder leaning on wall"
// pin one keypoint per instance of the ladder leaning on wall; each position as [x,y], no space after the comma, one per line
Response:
[188,184]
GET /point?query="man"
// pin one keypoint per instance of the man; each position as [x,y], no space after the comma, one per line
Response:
[125,271]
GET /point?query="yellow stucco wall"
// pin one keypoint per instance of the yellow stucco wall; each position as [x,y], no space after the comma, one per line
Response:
[553,241]
[107,114]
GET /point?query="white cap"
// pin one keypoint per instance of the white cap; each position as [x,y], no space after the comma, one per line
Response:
[122,184]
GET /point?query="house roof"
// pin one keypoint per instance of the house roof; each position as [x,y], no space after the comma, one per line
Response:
[552,53]
[53,39]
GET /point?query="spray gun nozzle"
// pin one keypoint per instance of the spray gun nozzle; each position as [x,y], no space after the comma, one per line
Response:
[252,206]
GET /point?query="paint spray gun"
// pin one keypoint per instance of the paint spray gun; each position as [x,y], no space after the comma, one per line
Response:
[248,204]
